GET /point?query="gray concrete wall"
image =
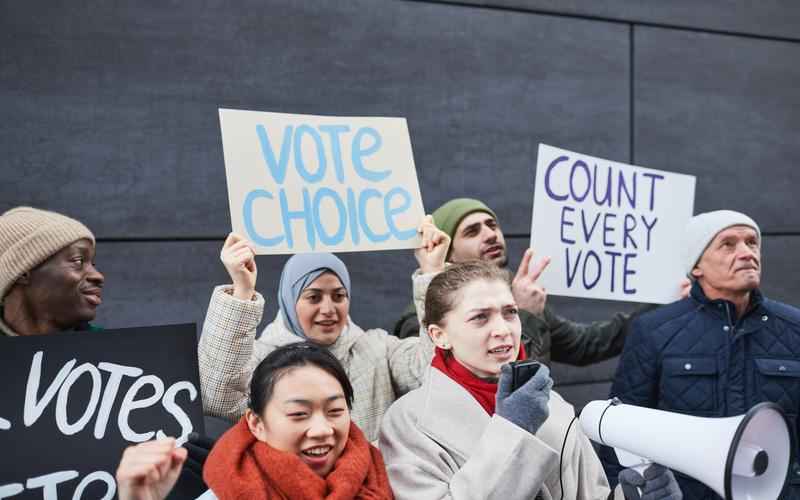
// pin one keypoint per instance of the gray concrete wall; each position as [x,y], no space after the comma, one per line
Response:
[109,115]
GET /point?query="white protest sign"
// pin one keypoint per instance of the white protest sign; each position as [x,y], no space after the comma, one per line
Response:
[613,231]
[303,183]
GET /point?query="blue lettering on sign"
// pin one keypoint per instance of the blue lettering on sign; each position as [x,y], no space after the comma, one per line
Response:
[300,163]
[313,149]
[257,238]
[277,168]
[359,152]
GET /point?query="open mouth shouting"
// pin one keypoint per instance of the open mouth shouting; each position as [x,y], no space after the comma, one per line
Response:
[493,251]
[502,352]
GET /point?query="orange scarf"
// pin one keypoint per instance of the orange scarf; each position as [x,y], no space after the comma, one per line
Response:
[241,467]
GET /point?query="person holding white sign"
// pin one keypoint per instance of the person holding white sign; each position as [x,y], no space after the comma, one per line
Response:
[314,303]
[476,235]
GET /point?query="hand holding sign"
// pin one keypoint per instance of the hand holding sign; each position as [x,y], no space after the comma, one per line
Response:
[528,294]
[148,471]
[239,258]
[435,243]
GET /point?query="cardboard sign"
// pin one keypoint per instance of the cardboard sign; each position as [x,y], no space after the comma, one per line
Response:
[70,403]
[302,183]
[613,231]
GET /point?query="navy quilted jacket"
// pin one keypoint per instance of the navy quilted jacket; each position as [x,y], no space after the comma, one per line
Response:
[694,357]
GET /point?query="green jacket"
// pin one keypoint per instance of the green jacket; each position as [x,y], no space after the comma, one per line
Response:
[550,336]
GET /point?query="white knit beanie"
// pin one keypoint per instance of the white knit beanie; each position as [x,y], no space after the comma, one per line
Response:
[702,229]
[29,236]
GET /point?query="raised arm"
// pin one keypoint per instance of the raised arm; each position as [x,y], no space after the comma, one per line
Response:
[409,358]
[225,353]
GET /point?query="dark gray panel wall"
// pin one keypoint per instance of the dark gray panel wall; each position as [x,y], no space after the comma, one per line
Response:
[724,109]
[772,18]
[109,114]
[120,106]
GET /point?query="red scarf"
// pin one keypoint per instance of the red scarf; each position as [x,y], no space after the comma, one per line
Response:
[483,391]
[241,467]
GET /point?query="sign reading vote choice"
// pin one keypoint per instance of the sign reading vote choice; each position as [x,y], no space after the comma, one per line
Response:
[302,183]
[70,403]
[613,231]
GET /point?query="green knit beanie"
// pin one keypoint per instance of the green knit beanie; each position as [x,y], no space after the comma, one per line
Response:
[29,236]
[449,216]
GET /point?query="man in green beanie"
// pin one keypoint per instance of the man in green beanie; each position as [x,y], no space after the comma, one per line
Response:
[48,282]
[476,235]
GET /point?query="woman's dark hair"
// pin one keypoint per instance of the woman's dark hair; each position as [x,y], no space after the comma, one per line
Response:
[282,360]
[442,292]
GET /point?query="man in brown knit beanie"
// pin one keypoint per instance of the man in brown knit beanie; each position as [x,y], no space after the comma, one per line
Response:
[48,282]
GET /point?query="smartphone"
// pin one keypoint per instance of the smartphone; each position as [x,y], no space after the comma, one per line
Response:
[522,371]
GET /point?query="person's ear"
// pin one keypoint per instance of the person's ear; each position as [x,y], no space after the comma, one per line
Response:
[697,272]
[256,425]
[438,336]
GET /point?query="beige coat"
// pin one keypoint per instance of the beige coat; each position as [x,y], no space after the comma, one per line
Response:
[380,367]
[439,443]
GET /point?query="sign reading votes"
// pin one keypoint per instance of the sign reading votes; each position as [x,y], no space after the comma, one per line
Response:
[71,402]
[302,183]
[613,230]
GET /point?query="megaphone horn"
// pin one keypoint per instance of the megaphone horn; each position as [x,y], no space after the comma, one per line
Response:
[746,457]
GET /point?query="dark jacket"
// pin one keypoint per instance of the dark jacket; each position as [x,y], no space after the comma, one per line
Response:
[693,356]
[551,336]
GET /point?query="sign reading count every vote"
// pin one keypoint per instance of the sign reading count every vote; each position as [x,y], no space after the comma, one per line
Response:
[613,231]
[71,402]
[303,183]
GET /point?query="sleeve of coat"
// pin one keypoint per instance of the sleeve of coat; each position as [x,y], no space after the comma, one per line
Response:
[635,383]
[408,325]
[409,358]
[507,462]
[225,352]
[582,344]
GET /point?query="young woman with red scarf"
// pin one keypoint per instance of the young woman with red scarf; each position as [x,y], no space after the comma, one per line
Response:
[465,433]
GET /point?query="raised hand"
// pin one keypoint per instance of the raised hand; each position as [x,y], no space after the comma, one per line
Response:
[528,295]
[527,406]
[435,244]
[239,258]
[148,471]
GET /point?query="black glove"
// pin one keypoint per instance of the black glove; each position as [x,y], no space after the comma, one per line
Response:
[190,483]
[527,406]
[658,483]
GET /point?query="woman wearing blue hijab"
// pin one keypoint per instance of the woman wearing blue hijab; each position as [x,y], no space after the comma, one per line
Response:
[314,297]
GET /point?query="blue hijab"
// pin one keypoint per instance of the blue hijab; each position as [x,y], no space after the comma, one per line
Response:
[298,273]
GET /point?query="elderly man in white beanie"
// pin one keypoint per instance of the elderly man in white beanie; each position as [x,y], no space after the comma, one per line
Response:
[48,282]
[721,350]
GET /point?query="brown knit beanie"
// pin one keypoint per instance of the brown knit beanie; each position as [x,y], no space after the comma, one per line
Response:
[29,236]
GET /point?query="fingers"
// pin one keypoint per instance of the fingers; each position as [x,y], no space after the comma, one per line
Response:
[522,270]
[539,267]
[504,385]
[145,461]
[630,481]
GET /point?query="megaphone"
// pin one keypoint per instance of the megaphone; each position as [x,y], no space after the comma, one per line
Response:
[741,458]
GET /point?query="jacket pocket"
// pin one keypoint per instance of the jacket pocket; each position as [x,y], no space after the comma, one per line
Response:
[778,380]
[689,385]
